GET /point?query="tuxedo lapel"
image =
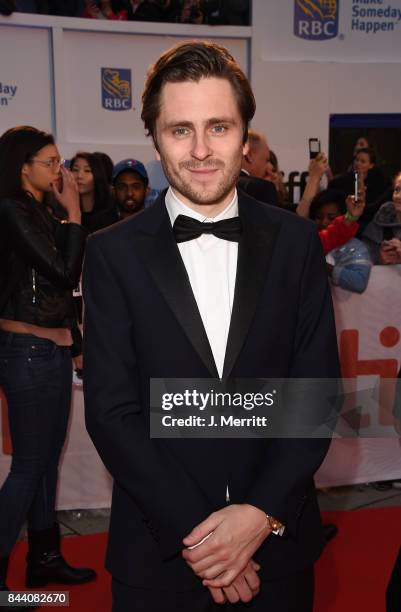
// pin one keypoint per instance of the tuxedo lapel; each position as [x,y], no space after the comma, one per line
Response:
[254,256]
[156,244]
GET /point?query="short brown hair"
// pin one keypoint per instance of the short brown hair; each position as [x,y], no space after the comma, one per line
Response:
[192,61]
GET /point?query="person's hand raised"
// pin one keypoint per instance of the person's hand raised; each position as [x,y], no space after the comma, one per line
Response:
[355,207]
[318,166]
[68,195]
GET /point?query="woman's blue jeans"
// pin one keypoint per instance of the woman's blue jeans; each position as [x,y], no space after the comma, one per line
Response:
[36,377]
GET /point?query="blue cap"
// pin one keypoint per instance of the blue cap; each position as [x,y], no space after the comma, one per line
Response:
[130,165]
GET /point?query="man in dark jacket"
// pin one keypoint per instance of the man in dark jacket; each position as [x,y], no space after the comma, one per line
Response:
[205,284]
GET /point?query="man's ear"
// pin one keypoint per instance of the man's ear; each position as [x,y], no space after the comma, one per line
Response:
[248,157]
[246,150]
[24,169]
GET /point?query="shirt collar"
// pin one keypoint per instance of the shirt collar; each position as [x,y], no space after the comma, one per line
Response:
[176,207]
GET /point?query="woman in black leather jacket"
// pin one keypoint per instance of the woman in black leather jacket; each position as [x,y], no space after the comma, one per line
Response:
[40,264]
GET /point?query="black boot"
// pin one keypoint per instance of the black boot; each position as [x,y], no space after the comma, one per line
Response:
[3,578]
[4,587]
[3,573]
[45,563]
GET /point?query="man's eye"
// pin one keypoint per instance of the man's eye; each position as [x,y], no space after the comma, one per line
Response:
[182,131]
[219,129]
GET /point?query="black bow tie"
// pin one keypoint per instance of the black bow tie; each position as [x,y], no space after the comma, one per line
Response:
[186,228]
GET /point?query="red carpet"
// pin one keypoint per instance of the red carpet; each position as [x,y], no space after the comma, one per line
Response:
[351,576]
[355,567]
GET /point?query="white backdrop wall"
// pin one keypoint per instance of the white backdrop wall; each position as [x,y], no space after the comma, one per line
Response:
[56,65]
[25,77]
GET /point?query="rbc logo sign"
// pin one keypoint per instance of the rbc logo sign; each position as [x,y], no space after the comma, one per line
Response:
[116,89]
[316,19]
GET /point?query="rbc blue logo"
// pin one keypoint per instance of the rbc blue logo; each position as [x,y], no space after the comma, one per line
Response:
[116,89]
[316,19]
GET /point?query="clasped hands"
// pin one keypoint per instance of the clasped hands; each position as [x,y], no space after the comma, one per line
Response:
[219,550]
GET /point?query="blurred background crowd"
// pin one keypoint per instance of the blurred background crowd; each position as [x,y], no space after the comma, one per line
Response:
[211,12]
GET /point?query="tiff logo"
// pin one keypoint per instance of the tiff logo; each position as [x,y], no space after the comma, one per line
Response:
[352,367]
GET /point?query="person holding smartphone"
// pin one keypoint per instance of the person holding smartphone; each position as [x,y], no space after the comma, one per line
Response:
[40,264]
[336,229]
[383,234]
[372,179]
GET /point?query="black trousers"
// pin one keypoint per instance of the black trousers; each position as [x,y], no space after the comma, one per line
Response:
[290,594]
[36,376]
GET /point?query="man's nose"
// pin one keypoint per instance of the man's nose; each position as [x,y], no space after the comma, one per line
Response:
[200,148]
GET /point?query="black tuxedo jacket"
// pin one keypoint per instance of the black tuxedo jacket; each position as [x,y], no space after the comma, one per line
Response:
[142,321]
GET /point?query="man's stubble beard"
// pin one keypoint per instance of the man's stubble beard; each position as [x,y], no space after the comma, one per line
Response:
[203,197]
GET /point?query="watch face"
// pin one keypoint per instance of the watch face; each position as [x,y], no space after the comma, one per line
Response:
[275,525]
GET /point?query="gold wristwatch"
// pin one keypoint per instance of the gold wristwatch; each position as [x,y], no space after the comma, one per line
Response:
[275,525]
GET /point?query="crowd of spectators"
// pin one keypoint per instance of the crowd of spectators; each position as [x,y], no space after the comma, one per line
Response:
[356,232]
[212,12]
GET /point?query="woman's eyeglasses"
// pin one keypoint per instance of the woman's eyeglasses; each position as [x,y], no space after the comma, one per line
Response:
[54,164]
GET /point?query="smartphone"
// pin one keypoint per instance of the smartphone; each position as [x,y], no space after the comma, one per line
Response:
[314,147]
[356,185]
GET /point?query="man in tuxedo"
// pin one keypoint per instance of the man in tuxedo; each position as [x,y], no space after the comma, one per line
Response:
[254,167]
[205,283]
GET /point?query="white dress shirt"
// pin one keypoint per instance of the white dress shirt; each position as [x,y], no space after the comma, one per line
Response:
[211,264]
